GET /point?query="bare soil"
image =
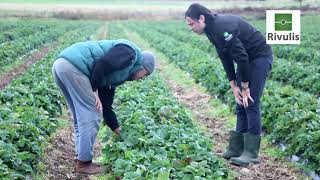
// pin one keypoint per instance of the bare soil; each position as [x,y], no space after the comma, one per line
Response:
[59,156]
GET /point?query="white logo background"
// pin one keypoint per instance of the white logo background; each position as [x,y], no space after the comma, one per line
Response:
[278,37]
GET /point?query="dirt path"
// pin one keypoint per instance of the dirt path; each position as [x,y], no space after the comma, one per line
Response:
[198,102]
[59,156]
[102,32]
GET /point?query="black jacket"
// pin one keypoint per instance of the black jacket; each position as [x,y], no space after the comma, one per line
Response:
[235,40]
[117,58]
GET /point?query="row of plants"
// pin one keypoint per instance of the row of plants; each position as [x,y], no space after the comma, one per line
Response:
[158,139]
[289,115]
[28,110]
[297,54]
[7,24]
[309,37]
[24,29]
[300,75]
[307,52]
[13,51]
[15,34]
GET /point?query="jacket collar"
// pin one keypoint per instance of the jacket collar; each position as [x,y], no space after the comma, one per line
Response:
[210,23]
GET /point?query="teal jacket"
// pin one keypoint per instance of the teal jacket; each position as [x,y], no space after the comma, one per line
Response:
[83,55]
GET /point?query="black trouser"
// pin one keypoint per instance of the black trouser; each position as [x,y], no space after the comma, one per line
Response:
[249,119]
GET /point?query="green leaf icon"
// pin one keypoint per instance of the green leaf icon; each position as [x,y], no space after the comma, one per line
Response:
[283,22]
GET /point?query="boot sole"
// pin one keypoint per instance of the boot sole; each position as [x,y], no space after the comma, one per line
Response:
[255,162]
[240,164]
[244,164]
[228,158]
[86,174]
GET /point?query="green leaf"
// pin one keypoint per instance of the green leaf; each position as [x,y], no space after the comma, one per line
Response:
[163,176]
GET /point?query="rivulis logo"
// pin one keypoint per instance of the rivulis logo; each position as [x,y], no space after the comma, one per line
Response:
[283,27]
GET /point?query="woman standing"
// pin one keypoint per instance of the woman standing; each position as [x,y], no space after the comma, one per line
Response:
[236,41]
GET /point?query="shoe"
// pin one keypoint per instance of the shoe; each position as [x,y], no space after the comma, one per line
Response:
[87,167]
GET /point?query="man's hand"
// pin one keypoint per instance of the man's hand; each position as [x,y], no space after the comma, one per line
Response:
[117,131]
[98,102]
[245,96]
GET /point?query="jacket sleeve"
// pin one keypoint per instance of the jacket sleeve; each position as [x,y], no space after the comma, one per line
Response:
[227,65]
[106,96]
[235,50]
[118,57]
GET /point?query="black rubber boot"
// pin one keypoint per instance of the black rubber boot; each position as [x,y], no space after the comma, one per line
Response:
[235,148]
[251,151]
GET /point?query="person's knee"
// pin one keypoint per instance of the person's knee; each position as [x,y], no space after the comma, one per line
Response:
[253,107]
[240,109]
[254,119]
[90,123]
[255,126]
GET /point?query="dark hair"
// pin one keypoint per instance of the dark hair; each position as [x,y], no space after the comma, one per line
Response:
[195,10]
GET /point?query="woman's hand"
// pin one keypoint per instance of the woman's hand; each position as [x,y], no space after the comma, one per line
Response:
[246,96]
[98,102]
[236,92]
[238,95]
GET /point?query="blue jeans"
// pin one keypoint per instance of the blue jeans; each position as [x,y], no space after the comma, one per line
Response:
[249,119]
[80,99]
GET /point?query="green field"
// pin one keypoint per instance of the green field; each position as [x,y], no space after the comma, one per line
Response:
[161,136]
